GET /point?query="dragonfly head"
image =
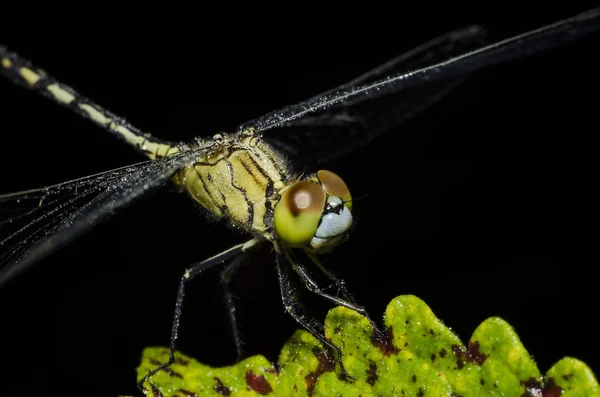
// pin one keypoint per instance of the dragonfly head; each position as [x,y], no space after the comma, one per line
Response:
[314,213]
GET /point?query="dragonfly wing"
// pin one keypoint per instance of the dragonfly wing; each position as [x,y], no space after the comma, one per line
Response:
[437,50]
[35,223]
[343,127]
[320,139]
[359,111]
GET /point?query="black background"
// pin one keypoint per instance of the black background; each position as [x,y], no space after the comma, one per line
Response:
[482,207]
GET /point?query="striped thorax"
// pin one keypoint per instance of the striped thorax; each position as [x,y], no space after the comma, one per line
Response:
[245,180]
[240,178]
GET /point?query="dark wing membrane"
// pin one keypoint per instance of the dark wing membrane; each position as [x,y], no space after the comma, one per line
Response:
[35,223]
[439,49]
[327,135]
[355,113]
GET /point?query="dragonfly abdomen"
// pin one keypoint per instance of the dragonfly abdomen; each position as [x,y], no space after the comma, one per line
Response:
[23,73]
[240,179]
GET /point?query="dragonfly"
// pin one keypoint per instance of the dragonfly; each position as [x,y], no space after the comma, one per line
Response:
[330,124]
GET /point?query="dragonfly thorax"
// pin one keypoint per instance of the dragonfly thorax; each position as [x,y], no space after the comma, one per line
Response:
[243,179]
[314,213]
[238,179]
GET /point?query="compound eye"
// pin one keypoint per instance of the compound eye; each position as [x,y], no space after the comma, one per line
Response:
[298,212]
[335,186]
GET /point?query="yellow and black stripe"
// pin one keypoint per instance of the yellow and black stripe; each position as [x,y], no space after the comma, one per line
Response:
[240,178]
[23,73]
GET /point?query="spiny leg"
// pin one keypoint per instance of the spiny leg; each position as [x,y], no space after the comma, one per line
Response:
[226,275]
[289,302]
[339,283]
[341,290]
[192,272]
[312,286]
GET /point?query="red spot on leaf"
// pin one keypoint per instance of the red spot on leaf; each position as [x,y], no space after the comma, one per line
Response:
[326,364]
[258,383]
[385,343]
[551,389]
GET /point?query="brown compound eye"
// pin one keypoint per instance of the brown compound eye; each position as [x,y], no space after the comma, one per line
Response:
[297,214]
[335,186]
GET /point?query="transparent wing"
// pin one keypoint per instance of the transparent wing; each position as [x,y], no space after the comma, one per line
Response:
[441,48]
[35,223]
[368,106]
[324,136]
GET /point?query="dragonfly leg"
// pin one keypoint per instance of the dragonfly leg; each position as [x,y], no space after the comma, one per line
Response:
[341,287]
[226,275]
[312,286]
[339,283]
[189,274]
[291,306]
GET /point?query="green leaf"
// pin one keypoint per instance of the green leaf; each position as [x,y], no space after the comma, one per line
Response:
[417,356]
